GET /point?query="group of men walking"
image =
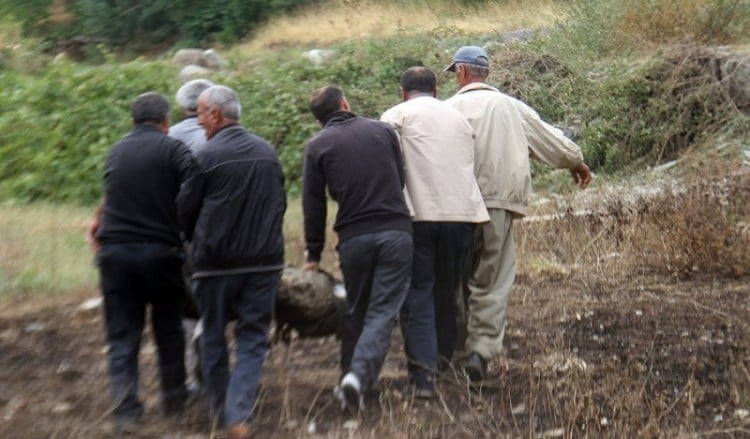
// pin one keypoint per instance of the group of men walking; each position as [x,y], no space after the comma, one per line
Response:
[426,201]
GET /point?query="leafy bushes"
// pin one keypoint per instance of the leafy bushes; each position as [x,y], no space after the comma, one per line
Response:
[57,125]
[55,129]
[649,113]
[143,24]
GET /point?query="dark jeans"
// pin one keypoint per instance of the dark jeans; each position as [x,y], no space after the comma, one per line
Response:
[376,269]
[428,317]
[249,298]
[132,276]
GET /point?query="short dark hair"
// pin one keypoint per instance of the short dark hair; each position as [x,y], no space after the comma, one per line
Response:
[418,78]
[325,101]
[149,107]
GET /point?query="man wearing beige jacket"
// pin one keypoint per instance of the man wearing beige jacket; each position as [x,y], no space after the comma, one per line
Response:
[507,132]
[445,203]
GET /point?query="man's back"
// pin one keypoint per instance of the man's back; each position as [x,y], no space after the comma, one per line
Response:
[241,193]
[501,150]
[359,160]
[142,177]
[438,148]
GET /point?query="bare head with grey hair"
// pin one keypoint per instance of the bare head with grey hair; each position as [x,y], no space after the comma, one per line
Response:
[218,106]
[224,99]
[187,94]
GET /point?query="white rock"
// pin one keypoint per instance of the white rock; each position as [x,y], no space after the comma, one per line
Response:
[741,413]
[318,56]
[555,432]
[62,407]
[34,327]
[186,57]
[351,425]
[212,60]
[91,304]
[193,71]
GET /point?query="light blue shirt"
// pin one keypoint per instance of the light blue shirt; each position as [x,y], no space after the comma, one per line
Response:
[190,133]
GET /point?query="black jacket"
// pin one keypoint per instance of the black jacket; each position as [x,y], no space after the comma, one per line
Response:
[360,161]
[233,209]
[142,177]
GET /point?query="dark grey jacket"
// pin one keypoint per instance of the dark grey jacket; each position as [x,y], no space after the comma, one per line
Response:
[233,209]
[142,177]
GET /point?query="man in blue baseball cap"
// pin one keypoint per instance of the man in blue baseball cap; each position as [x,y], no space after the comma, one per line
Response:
[473,55]
[506,133]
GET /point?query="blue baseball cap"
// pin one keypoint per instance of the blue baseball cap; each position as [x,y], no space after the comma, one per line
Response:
[474,55]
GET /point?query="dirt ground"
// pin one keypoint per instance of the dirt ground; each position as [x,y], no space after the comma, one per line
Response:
[646,358]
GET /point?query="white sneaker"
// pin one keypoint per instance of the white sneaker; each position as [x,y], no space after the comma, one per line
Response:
[338,393]
[351,392]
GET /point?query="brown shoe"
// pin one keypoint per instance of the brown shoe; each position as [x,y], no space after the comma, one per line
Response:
[239,431]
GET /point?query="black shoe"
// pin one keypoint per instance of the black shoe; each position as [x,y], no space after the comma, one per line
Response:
[476,367]
[126,425]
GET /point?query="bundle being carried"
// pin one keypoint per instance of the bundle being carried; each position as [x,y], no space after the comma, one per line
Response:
[312,303]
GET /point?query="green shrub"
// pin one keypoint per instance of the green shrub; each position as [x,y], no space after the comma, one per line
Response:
[649,113]
[55,129]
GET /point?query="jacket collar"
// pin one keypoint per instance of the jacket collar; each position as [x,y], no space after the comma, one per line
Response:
[146,127]
[339,117]
[227,128]
[476,86]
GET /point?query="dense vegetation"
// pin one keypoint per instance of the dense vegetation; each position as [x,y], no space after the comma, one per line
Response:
[634,107]
[140,24]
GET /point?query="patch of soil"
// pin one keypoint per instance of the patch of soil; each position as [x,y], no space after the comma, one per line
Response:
[646,359]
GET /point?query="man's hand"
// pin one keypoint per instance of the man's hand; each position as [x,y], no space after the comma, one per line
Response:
[91,235]
[93,227]
[310,266]
[582,175]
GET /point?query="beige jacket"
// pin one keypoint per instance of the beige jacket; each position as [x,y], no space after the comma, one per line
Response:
[438,152]
[507,132]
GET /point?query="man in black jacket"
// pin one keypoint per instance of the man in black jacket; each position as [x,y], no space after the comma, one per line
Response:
[139,253]
[360,161]
[232,212]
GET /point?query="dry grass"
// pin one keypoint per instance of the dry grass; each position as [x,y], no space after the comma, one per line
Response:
[663,21]
[339,20]
[42,249]
[696,227]
[606,337]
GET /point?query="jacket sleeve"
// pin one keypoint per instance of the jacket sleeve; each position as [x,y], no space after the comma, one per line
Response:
[547,143]
[314,206]
[190,200]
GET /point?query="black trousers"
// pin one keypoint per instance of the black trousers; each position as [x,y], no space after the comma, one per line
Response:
[428,317]
[132,277]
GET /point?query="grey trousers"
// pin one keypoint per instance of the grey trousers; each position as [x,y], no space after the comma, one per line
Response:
[376,270]
[491,270]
